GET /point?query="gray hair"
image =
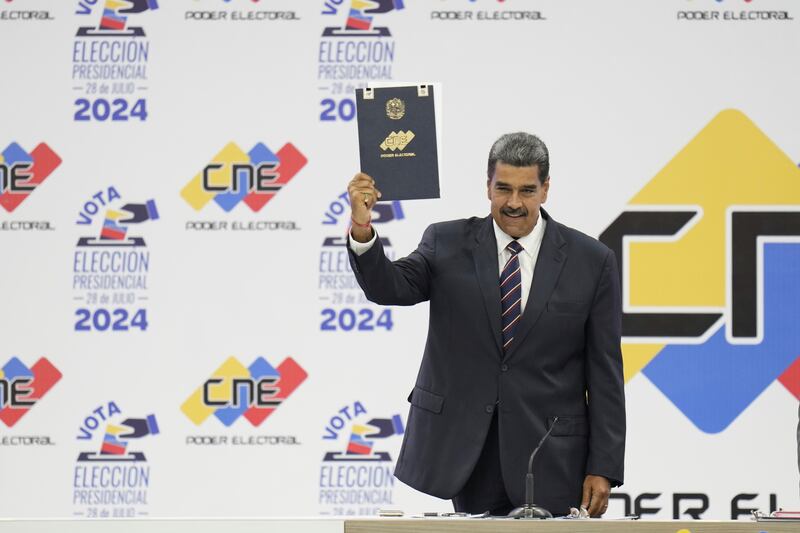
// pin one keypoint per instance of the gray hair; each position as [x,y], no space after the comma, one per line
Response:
[520,150]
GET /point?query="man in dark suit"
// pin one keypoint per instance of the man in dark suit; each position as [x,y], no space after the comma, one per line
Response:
[525,324]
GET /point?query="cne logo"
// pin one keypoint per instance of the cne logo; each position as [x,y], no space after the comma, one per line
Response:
[235,176]
[21,387]
[22,172]
[397,140]
[235,390]
[709,255]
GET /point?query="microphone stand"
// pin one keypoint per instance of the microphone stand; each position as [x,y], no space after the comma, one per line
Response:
[530,510]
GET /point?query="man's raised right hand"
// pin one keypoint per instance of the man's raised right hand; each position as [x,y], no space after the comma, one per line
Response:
[363,195]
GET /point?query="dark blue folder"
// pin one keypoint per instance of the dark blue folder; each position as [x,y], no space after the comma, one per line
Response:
[397,141]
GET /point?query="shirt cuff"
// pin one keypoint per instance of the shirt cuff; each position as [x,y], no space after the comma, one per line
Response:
[362,247]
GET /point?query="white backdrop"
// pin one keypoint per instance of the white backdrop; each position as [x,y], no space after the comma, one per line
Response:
[617,89]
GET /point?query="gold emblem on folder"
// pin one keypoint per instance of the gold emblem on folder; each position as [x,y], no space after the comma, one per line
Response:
[395,109]
[397,140]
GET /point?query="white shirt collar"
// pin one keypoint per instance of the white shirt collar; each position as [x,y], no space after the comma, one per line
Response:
[529,242]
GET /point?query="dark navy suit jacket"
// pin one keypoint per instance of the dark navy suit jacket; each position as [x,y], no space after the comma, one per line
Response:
[565,361]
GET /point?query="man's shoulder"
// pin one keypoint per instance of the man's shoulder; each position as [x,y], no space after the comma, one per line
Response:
[459,228]
[578,241]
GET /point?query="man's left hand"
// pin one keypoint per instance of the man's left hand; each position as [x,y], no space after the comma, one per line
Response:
[595,495]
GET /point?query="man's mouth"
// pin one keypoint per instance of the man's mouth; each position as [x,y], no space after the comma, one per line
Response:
[514,213]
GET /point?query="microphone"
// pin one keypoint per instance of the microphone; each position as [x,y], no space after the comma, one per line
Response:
[530,509]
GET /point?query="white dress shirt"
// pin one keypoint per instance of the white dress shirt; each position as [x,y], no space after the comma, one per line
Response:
[361,247]
[527,257]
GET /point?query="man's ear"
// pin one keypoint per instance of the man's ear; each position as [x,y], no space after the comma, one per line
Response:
[489,188]
[545,189]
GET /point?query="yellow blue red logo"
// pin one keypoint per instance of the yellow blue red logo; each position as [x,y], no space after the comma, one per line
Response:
[235,390]
[709,255]
[252,177]
[21,387]
[21,172]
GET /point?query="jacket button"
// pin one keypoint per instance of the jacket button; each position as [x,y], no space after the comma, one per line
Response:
[504,368]
[490,408]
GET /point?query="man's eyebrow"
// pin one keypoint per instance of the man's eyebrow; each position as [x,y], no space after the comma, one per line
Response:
[531,185]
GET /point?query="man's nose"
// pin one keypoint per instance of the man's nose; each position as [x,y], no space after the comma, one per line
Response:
[514,200]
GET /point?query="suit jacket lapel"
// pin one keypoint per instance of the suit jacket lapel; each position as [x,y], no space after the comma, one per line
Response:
[545,276]
[486,268]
